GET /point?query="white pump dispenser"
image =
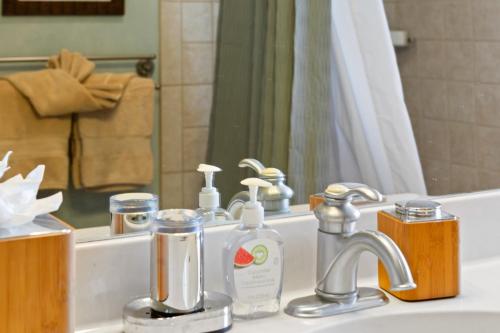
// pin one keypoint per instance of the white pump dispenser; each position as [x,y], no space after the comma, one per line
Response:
[253,261]
[253,212]
[209,197]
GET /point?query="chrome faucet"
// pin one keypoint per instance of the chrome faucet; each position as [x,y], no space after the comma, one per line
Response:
[339,249]
[275,199]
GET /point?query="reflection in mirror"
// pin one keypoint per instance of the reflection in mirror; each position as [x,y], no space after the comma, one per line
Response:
[308,93]
[132,212]
[94,154]
[293,91]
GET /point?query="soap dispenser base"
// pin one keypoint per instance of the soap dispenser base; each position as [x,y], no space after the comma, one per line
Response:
[316,307]
[216,316]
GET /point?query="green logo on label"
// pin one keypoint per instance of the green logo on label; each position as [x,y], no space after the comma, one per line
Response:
[260,254]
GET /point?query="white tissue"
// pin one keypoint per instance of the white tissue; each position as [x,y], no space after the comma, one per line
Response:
[4,164]
[18,202]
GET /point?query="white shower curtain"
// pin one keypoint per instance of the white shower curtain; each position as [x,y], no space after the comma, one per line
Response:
[348,104]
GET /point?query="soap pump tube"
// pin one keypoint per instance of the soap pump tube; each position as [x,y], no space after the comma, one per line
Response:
[209,198]
[253,261]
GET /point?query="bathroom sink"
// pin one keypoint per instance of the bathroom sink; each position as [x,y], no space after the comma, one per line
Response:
[111,272]
[456,322]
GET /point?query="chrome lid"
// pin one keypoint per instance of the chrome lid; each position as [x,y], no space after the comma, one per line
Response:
[419,208]
[177,220]
[125,203]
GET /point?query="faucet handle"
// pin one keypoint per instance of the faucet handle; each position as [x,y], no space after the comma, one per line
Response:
[262,171]
[253,164]
[337,214]
[349,191]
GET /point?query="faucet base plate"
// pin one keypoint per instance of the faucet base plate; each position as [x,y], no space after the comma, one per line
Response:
[314,306]
[216,316]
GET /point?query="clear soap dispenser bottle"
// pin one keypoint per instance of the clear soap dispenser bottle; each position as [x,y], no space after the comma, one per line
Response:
[209,198]
[253,261]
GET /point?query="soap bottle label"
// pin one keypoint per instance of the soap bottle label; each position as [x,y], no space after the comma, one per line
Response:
[257,271]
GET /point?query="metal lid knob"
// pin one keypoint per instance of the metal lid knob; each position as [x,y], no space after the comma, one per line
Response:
[419,208]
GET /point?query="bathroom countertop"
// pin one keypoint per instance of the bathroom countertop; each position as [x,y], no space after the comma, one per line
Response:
[479,293]
[110,273]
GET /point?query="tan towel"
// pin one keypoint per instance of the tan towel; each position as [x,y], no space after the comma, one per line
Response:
[34,140]
[69,86]
[112,131]
[112,149]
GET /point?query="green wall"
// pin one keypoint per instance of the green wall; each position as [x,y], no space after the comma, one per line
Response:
[137,32]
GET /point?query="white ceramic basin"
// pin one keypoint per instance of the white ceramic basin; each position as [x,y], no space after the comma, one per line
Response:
[456,322]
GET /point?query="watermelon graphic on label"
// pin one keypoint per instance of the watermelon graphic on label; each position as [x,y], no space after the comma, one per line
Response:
[243,258]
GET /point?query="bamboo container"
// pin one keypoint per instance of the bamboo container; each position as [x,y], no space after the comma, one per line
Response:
[429,239]
[315,200]
[36,273]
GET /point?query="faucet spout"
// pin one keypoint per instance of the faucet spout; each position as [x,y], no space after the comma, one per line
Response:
[340,278]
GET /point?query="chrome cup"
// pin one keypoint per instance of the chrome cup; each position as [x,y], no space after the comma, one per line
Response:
[132,212]
[177,262]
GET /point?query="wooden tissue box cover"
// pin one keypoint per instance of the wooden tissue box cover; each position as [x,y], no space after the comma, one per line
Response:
[36,273]
[432,251]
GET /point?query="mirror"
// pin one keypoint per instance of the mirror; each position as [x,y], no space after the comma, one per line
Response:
[400,95]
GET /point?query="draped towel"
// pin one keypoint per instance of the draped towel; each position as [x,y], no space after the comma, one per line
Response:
[112,124]
[68,86]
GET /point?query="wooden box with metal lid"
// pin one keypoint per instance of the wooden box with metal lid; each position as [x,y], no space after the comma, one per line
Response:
[429,239]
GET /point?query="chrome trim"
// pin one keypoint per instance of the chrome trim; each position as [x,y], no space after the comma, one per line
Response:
[138,317]
[314,306]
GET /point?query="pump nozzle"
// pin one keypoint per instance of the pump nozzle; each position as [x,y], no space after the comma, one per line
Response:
[253,212]
[253,187]
[208,170]
[209,197]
